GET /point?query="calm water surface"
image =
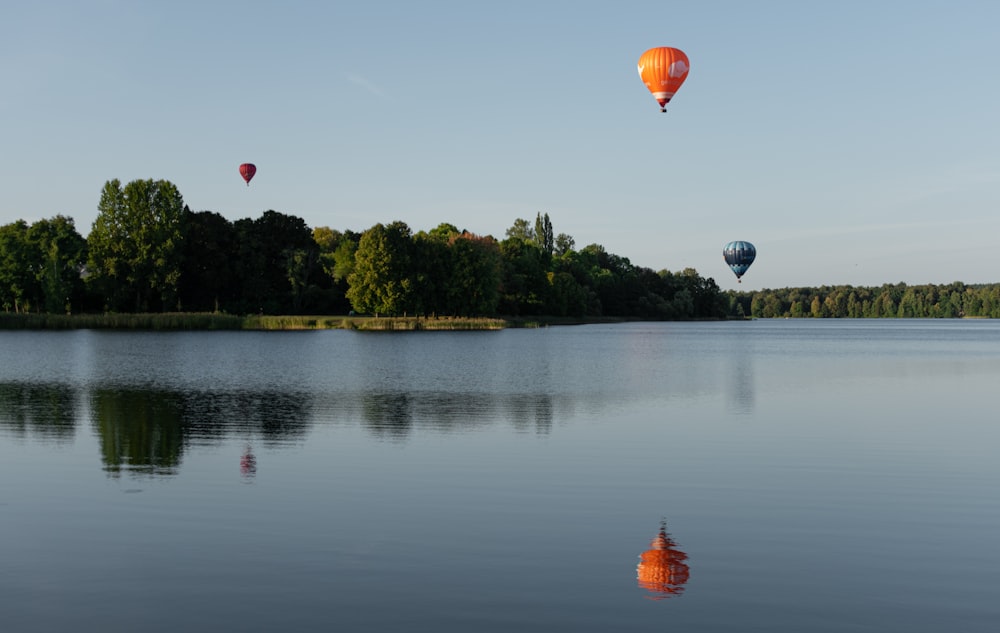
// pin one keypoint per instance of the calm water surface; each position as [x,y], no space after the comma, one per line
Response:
[808,475]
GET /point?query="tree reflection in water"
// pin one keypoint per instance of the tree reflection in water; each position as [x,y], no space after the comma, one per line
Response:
[146,431]
[47,411]
[139,430]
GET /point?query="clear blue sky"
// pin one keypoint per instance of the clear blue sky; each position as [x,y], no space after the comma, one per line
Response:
[854,142]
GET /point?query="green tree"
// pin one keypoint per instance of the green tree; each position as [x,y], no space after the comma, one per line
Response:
[972,303]
[908,305]
[381,282]
[299,265]
[208,277]
[444,232]
[327,240]
[17,280]
[579,266]
[433,263]
[543,234]
[336,252]
[476,269]
[830,306]
[521,230]
[682,304]
[135,245]
[991,301]
[344,258]
[614,281]
[884,306]
[276,257]
[525,284]
[854,306]
[336,258]
[773,307]
[61,253]
[709,302]
[564,244]
[567,297]
[816,308]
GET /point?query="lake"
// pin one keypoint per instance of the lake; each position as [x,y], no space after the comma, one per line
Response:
[768,475]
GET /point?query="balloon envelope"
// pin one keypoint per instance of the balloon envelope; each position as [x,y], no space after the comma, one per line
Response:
[739,255]
[663,70]
[247,170]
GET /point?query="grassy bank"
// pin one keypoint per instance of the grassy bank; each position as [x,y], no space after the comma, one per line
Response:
[210,321]
[111,321]
[371,324]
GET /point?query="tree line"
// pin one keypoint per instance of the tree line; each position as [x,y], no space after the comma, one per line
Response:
[952,300]
[148,252]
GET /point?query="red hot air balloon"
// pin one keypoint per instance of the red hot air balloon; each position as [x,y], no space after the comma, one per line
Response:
[247,170]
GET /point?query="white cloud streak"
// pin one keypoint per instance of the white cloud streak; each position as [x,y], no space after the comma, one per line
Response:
[365,83]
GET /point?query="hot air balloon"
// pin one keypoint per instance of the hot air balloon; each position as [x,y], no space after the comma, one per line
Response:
[662,570]
[739,255]
[663,70]
[247,170]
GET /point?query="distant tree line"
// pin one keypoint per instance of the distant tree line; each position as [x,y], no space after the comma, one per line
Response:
[148,252]
[887,301]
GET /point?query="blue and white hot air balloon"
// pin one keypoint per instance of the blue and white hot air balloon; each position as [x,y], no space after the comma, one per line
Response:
[739,255]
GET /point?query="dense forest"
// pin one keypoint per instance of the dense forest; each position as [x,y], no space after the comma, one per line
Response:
[887,301]
[147,252]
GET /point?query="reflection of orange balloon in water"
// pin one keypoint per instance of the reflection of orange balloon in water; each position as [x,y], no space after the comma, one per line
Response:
[662,570]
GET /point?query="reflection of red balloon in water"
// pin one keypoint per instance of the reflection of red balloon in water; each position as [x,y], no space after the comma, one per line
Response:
[248,462]
[247,170]
[662,570]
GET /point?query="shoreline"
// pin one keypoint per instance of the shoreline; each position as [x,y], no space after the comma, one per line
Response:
[187,321]
[196,321]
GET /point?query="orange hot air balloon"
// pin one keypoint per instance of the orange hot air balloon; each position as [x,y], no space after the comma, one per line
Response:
[663,70]
[247,170]
[662,570]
